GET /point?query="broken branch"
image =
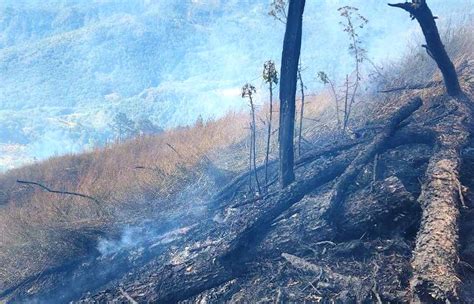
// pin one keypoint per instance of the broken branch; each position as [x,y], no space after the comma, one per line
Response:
[420,11]
[58,191]
[420,86]
[127,296]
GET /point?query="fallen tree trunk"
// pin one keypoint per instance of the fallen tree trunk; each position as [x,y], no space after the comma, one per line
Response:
[239,181]
[181,284]
[338,196]
[304,265]
[226,260]
[255,231]
[436,253]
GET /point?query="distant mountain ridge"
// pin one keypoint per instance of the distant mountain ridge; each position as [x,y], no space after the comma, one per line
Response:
[83,63]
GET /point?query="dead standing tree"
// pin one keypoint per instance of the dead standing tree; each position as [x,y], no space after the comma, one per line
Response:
[289,70]
[420,11]
[278,11]
[352,22]
[302,88]
[247,92]
[270,76]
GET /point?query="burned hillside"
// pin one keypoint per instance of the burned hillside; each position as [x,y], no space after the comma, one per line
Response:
[285,245]
[380,210]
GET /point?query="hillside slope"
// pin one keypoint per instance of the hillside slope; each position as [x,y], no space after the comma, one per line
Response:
[193,232]
[281,247]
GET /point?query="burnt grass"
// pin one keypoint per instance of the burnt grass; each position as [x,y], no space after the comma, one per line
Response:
[239,251]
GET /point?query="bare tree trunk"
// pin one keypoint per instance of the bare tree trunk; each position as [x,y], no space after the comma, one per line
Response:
[289,70]
[269,134]
[250,159]
[336,99]
[346,101]
[435,256]
[254,143]
[420,11]
[300,131]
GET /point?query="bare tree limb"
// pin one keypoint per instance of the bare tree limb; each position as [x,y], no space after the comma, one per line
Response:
[302,87]
[411,87]
[176,151]
[127,296]
[58,191]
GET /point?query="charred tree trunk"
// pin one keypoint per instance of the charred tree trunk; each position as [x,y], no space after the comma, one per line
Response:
[319,176]
[336,203]
[420,11]
[289,70]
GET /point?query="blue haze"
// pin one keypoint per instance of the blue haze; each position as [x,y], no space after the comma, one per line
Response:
[68,67]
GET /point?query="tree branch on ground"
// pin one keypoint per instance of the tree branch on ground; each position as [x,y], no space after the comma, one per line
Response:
[419,86]
[59,191]
[338,196]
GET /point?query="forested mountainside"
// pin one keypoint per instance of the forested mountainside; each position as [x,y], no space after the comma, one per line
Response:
[380,210]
